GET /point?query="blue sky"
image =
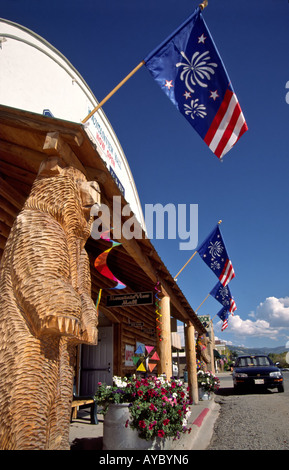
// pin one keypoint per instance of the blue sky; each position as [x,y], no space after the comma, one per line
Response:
[105,40]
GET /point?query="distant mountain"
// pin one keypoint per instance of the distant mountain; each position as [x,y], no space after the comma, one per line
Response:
[241,350]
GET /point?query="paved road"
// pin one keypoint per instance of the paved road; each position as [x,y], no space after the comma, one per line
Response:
[251,421]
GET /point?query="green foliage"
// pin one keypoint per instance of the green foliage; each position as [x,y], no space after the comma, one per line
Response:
[281,358]
[122,391]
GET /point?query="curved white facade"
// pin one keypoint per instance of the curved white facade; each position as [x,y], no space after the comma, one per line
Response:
[34,76]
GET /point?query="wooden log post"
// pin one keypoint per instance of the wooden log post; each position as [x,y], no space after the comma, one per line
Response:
[165,345]
[211,346]
[191,362]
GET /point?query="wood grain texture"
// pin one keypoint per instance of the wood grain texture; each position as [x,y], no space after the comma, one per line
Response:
[45,308]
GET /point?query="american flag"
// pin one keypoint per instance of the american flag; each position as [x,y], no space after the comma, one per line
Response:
[223,315]
[213,252]
[189,69]
[223,295]
[225,325]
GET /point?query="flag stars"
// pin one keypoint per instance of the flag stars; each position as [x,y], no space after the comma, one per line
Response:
[187,95]
[201,39]
[214,95]
[169,84]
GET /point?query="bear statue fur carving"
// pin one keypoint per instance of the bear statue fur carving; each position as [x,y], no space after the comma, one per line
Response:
[202,349]
[45,308]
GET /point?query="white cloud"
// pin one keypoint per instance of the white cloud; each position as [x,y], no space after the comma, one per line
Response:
[252,328]
[271,317]
[270,321]
[275,311]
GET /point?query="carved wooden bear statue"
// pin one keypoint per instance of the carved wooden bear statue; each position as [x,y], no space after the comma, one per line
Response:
[202,349]
[45,308]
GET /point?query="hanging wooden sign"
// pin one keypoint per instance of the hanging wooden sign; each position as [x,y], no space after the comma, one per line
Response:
[130,300]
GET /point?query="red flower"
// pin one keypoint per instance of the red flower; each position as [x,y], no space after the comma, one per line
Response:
[140,393]
[161,433]
[166,422]
[142,424]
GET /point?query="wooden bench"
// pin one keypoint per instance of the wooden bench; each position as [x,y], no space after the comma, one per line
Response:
[84,402]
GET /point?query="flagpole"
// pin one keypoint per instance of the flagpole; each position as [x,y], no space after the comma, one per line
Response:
[113,91]
[202,5]
[185,265]
[175,277]
[202,303]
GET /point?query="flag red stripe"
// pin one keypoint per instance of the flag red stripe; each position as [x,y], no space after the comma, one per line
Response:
[218,118]
[227,274]
[243,130]
[227,126]
[224,326]
[230,275]
[233,306]
[224,273]
[229,131]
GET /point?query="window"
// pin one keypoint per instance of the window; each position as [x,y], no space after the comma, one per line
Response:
[251,361]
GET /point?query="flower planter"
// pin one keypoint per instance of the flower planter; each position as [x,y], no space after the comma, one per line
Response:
[204,394]
[116,436]
[154,408]
[208,383]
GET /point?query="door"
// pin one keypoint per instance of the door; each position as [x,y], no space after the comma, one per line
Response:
[97,362]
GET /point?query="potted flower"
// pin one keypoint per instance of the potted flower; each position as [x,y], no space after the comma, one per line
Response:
[152,410]
[207,384]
